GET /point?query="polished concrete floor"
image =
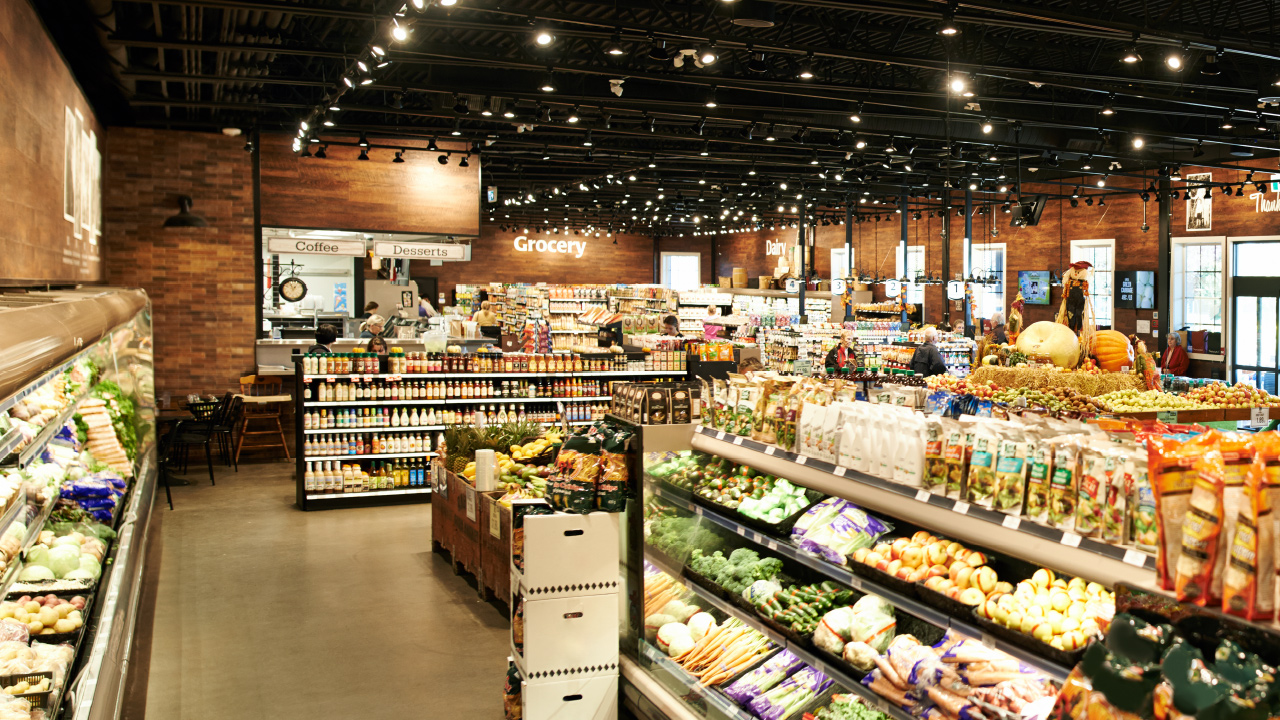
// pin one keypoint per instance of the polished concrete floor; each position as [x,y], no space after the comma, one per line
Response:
[264,611]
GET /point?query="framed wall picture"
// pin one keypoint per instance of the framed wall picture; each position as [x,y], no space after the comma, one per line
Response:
[1199,202]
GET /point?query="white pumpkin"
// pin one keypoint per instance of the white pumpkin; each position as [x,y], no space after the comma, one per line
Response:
[1052,340]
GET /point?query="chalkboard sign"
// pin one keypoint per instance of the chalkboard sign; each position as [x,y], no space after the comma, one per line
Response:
[1135,289]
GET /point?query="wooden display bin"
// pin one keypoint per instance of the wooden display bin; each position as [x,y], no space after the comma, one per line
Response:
[442,534]
[495,548]
[465,500]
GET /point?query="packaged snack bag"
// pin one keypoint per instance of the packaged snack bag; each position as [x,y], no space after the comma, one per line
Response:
[744,414]
[981,486]
[1038,478]
[827,439]
[956,455]
[1115,514]
[1097,468]
[612,486]
[1011,472]
[1171,468]
[1064,483]
[1237,455]
[1249,580]
[935,465]
[758,418]
[1200,529]
[1142,504]
[577,470]
[908,468]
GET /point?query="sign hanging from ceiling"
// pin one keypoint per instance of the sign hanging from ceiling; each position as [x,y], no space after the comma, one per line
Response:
[314,246]
[421,251]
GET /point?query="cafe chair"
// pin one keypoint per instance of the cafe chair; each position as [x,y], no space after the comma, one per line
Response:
[198,431]
[260,424]
[224,425]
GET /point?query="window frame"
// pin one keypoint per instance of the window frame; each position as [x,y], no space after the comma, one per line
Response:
[969,265]
[1110,244]
[662,268]
[1177,313]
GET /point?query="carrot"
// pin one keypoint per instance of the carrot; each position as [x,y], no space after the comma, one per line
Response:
[710,637]
[722,638]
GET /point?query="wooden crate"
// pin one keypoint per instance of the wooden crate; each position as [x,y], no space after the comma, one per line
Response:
[466,541]
[443,535]
[495,550]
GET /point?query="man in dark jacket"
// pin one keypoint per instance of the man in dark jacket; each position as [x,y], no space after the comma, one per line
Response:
[927,361]
[325,335]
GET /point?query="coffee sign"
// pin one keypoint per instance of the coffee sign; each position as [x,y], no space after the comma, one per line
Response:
[314,246]
[421,251]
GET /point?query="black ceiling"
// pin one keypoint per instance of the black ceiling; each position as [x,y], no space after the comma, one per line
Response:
[1040,72]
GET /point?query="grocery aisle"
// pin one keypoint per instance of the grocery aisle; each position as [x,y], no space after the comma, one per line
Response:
[263,611]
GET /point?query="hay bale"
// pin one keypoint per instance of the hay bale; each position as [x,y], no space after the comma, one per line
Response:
[1040,379]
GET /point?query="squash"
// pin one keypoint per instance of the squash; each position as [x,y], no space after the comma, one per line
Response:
[1112,349]
[1051,340]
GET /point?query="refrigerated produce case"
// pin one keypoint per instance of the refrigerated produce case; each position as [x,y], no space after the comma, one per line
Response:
[50,338]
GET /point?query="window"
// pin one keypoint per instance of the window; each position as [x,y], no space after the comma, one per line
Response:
[987,260]
[1101,255]
[1198,283]
[840,266]
[681,271]
[914,293]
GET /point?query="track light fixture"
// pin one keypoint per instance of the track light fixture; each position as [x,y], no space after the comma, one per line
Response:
[464,161]
[1108,107]
[1102,181]
[320,152]
[987,127]
[711,98]
[805,71]
[457,128]
[364,154]
[542,37]
[658,51]
[957,84]
[459,105]
[757,63]
[399,157]
[706,148]
[1210,66]
[652,162]
[770,135]
[364,141]
[889,147]
[1175,60]
[548,83]
[857,113]
[1138,142]
[586,141]
[1131,55]
[707,54]
[948,27]
[573,115]
[614,47]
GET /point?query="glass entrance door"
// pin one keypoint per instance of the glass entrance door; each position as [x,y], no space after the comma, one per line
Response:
[1257,335]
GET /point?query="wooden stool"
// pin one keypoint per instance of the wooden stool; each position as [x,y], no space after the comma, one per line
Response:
[262,400]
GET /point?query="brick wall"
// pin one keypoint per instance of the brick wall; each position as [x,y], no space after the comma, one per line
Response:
[201,280]
[43,116]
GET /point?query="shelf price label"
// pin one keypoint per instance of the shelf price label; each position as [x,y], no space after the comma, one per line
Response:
[720,435]
[1012,522]
[769,450]
[839,471]
[737,440]
[801,459]
[742,531]
[1070,539]
[961,507]
[922,496]
[1259,416]
[1137,558]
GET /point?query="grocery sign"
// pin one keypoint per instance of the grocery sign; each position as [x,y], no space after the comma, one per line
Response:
[547,245]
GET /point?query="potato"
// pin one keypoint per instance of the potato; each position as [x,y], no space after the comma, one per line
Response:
[6,612]
[64,610]
[48,616]
[32,606]
[64,626]
[35,626]
[47,631]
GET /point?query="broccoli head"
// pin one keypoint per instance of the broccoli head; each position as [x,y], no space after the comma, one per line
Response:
[743,556]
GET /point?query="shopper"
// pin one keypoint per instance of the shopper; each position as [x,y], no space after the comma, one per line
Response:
[426,309]
[751,364]
[487,319]
[844,357]
[372,327]
[1175,360]
[927,361]
[711,327]
[378,346]
[998,335]
[370,309]
[325,335]
[671,326]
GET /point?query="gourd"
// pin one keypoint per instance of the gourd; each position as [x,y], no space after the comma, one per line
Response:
[1112,349]
[1052,340]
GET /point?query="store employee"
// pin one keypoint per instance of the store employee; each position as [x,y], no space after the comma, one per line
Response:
[325,335]
[487,319]
[372,327]
[671,326]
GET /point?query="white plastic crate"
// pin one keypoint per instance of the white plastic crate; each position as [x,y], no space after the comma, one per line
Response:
[593,698]
[568,637]
[567,555]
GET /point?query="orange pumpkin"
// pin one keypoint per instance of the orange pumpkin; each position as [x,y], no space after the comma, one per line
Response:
[1112,349]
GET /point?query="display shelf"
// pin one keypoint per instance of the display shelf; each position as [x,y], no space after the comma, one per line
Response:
[369,493]
[338,430]
[844,576]
[635,297]
[472,376]
[33,449]
[48,376]
[713,697]
[454,401]
[571,332]
[847,681]
[1057,549]
[9,443]
[368,456]
[33,533]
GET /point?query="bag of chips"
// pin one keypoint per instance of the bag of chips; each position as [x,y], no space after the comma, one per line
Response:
[1249,580]
[1038,477]
[935,465]
[1171,469]
[1011,472]
[1200,529]
[612,487]
[980,489]
[1097,469]
[956,454]
[1064,483]
[573,487]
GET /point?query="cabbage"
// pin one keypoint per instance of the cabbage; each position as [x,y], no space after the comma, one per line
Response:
[82,575]
[66,540]
[91,564]
[32,573]
[63,559]
[38,555]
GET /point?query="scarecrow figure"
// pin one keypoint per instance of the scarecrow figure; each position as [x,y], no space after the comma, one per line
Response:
[1013,325]
[1076,311]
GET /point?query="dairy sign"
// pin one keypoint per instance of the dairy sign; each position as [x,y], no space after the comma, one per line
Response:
[421,251]
[1261,202]
[774,247]
[315,246]
[547,246]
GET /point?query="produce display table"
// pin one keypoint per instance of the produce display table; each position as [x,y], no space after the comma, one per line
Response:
[495,549]
[1202,416]
[454,529]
